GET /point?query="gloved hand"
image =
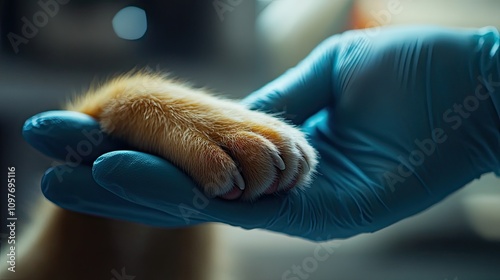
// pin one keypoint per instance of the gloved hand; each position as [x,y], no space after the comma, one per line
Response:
[401,117]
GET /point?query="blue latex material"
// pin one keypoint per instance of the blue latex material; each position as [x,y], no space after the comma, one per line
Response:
[401,117]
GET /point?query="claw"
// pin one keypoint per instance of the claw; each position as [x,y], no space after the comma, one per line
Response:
[240,183]
[305,166]
[278,161]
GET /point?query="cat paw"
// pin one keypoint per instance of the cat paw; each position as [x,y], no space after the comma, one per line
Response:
[269,156]
[228,150]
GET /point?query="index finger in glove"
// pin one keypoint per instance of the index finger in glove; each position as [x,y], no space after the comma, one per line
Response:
[68,136]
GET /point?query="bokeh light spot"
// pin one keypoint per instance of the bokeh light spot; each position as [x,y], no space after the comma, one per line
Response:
[130,23]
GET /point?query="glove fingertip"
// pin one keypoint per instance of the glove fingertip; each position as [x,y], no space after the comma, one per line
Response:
[52,185]
[46,130]
[104,166]
[118,168]
[52,122]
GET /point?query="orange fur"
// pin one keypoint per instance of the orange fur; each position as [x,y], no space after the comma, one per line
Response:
[218,142]
[69,245]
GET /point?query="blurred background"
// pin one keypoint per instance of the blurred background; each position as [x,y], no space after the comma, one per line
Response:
[52,49]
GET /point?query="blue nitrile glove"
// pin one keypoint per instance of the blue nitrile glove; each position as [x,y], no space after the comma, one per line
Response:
[403,117]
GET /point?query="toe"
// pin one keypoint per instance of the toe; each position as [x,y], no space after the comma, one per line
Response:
[233,194]
[274,187]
